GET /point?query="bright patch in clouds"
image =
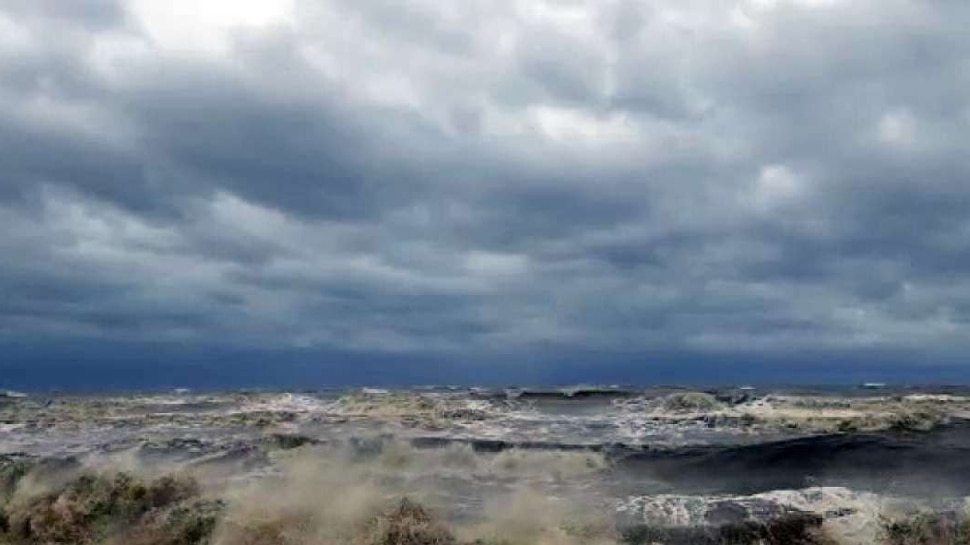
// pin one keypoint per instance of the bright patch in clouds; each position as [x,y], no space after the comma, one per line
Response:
[897,129]
[574,126]
[204,25]
[776,185]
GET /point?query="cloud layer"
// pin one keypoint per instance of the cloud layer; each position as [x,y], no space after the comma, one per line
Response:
[488,176]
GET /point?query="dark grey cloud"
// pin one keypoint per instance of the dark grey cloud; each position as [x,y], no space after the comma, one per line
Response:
[766,176]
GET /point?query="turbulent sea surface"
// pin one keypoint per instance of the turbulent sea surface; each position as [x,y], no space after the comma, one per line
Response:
[573,465]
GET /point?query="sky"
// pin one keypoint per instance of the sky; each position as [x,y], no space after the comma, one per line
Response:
[417,189]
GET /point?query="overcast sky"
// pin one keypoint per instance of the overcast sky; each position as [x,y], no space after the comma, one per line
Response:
[469,178]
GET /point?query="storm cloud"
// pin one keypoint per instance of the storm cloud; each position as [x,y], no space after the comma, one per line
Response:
[488,176]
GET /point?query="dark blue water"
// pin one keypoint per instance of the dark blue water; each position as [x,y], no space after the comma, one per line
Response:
[38,366]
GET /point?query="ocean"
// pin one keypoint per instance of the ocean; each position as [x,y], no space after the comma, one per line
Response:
[580,464]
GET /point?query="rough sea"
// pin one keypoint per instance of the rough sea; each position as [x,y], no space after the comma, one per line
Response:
[585,464]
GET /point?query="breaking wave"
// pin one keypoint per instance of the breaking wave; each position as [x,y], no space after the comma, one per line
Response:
[575,466]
